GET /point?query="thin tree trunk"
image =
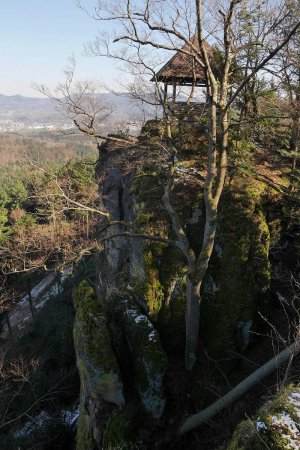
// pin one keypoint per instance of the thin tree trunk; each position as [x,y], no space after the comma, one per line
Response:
[192,321]
[194,283]
[242,388]
[8,324]
[294,142]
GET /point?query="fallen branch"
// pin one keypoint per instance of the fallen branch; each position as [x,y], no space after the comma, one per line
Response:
[242,388]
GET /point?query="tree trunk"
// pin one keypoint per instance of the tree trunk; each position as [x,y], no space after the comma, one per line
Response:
[242,388]
[8,324]
[294,141]
[193,287]
[192,321]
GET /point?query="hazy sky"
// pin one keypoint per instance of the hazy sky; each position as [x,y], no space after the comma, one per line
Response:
[37,37]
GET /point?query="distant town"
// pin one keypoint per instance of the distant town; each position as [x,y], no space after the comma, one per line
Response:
[12,125]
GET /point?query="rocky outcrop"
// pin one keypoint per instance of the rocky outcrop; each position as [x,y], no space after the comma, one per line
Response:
[125,333]
[276,425]
[113,334]
[101,393]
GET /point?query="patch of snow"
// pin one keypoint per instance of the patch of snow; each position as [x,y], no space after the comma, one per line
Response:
[135,315]
[289,429]
[152,336]
[40,305]
[140,318]
[42,285]
[32,425]
[282,299]
[260,425]
[69,418]
[295,401]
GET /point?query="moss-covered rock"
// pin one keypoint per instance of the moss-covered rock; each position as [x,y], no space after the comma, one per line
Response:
[276,425]
[101,387]
[147,357]
[84,437]
[149,289]
[237,282]
[171,319]
[121,430]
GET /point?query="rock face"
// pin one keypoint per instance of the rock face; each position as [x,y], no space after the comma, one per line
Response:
[276,425]
[238,280]
[135,317]
[113,333]
[101,386]
[148,358]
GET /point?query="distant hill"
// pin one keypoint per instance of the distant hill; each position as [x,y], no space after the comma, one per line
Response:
[21,113]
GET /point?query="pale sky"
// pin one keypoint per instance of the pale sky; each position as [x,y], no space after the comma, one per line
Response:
[37,37]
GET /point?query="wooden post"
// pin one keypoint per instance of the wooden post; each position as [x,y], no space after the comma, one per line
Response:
[165,99]
[174,94]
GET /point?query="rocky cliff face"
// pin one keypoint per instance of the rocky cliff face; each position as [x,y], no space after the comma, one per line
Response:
[130,313]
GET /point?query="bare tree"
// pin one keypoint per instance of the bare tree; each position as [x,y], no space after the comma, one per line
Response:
[78,100]
[169,26]
[287,71]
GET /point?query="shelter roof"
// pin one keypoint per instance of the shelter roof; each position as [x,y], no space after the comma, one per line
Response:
[182,68]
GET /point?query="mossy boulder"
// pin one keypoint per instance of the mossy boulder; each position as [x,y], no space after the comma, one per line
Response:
[276,425]
[101,387]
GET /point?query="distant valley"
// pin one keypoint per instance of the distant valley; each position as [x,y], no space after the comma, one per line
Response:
[18,113]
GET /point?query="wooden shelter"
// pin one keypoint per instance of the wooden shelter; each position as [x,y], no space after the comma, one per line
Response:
[182,69]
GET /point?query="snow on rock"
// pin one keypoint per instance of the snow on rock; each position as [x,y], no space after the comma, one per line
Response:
[275,427]
[283,421]
[66,417]
[260,425]
[32,425]
[69,418]
[289,428]
[152,336]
